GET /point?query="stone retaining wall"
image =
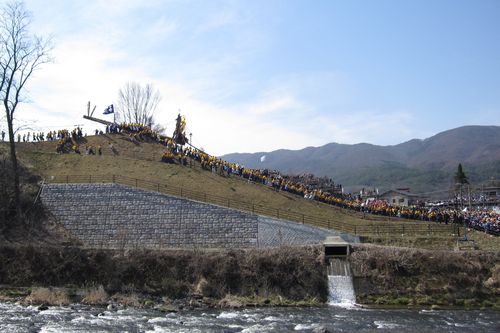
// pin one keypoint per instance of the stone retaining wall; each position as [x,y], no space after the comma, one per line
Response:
[118,217]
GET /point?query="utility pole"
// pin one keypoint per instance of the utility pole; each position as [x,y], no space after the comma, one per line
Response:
[468,187]
[461,208]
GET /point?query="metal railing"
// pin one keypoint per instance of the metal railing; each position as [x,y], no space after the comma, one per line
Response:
[406,228]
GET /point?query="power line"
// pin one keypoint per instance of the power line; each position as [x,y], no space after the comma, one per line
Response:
[432,192]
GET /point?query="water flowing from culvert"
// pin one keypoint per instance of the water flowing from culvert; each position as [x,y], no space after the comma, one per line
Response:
[340,286]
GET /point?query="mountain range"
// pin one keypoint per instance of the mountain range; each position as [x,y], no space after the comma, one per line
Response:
[421,165]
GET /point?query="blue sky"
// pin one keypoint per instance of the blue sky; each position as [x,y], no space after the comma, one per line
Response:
[262,75]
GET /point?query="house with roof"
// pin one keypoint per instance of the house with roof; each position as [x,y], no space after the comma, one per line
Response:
[400,197]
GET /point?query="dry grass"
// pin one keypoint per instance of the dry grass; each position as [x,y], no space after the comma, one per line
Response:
[230,301]
[48,296]
[95,296]
[131,300]
[201,286]
[384,274]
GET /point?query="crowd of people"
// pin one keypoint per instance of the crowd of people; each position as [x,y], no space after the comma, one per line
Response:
[480,219]
[381,207]
[138,132]
[67,140]
[173,153]
[477,217]
[113,128]
[49,136]
[483,219]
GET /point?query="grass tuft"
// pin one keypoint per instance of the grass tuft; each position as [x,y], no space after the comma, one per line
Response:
[48,296]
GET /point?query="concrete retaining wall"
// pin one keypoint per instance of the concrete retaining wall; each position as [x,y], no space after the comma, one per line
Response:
[117,216]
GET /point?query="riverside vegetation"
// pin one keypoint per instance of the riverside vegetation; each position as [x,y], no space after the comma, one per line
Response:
[187,279]
[172,279]
[416,277]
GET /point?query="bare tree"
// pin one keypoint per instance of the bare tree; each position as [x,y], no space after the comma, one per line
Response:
[20,55]
[158,127]
[137,104]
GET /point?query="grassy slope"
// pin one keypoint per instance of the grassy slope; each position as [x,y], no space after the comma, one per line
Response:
[141,160]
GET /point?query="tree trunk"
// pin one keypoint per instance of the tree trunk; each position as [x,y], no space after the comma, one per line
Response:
[15,168]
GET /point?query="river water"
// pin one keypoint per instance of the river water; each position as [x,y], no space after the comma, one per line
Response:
[17,318]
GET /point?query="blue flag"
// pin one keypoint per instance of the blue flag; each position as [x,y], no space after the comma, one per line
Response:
[109,109]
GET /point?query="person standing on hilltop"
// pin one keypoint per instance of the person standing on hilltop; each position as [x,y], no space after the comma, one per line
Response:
[3,136]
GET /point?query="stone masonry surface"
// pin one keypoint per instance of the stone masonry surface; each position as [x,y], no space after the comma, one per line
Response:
[120,217]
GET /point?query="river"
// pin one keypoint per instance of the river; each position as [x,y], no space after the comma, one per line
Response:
[18,318]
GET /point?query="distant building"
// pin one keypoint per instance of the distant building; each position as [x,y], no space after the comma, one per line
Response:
[367,193]
[400,198]
[489,194]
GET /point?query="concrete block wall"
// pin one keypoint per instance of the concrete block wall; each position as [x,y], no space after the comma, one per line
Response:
[276,232]
[119,217]
[116,216]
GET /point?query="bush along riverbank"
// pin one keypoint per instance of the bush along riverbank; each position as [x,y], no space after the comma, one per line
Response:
[167,280]
[389,276]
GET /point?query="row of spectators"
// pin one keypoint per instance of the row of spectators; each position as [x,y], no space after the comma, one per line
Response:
[113,128]
[381,207]
[136,131]
[479,218]
[482,220]
[50,136]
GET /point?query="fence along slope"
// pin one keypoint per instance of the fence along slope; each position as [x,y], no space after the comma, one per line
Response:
[381,229]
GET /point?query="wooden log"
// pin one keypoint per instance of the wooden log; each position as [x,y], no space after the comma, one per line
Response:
[104,122]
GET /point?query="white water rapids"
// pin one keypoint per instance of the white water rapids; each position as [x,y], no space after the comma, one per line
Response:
[16,318]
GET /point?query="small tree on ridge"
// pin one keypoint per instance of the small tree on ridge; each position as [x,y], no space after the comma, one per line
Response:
[460,177]
[137,104]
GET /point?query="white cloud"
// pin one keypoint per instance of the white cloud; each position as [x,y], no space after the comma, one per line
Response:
[273,105]
[219,19]
[365,126]
[162,28]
